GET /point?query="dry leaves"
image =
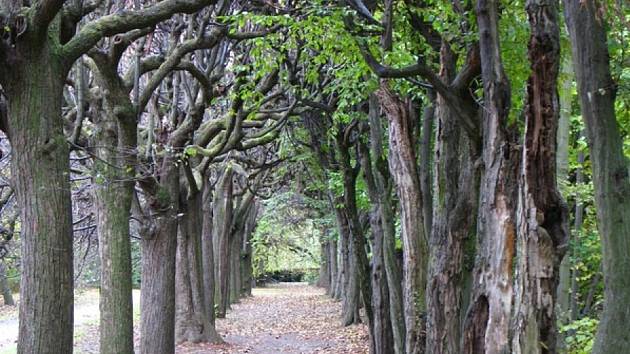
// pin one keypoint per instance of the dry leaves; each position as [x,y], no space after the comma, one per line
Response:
[285,318]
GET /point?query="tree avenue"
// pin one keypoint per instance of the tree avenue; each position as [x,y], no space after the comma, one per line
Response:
[455,174]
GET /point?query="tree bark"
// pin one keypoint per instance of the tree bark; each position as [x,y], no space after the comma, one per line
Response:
[611,179]
[488,319]
[40,168]
[333,268]
[246,259]
[381,198]
[208,264]
[222,221]
[357,237]
[7,295]
[456,186]
[562,172]
[323,279]
[542,214]
[382,326]
[192,321]
[157,301]
[403,166]
[349,285]
[115,142]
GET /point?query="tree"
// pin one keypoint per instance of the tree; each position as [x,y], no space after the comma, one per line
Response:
[611,176]
[39,49]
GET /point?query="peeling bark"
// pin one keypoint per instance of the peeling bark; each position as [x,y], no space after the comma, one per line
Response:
[542,214]
[403,166]
[496,224]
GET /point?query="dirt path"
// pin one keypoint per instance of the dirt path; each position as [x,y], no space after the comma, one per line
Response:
[283,318]
[286,318]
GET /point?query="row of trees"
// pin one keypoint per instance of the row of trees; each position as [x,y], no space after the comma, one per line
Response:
[427,137]
[155,104]
[470,152]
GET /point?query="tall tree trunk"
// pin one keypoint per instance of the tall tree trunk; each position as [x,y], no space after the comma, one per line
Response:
[350,286]
[381,198]
[192,321]
[40,169]
[358,254]
[610,167]
[235,262]
[562,172]
[222,221]
[246,259]
[403,167]
[114,145]
[488,320]
[333,269]
[208,264]
[456,185]
[425,163]
[323,279]
[382,326]
[157,300]
[542,214]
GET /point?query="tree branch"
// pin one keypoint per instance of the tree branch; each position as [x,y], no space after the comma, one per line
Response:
[114,24]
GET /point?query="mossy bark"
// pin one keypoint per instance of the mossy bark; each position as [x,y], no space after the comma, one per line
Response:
[113,193]
[40,168]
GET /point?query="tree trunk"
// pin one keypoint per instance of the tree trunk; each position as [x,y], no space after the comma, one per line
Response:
[456,186]
[157,301]
[246,259]
[610,168]
[542,214]
[323,279]
[358,254]
[7,295]
[488,320]
[222,221]
[192,321]
[208,264]
[403,166]
[349,290]
[40,169]
[382,326]
[114,145]
[235,261]
[425,163]
[562,172]
[332,261]
[381,198]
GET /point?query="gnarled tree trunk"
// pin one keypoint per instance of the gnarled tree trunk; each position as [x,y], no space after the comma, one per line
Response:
[542,214]
[403,167]
[487,324]
[456,186]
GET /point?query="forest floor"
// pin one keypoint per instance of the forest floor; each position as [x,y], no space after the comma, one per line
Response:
[292,318]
